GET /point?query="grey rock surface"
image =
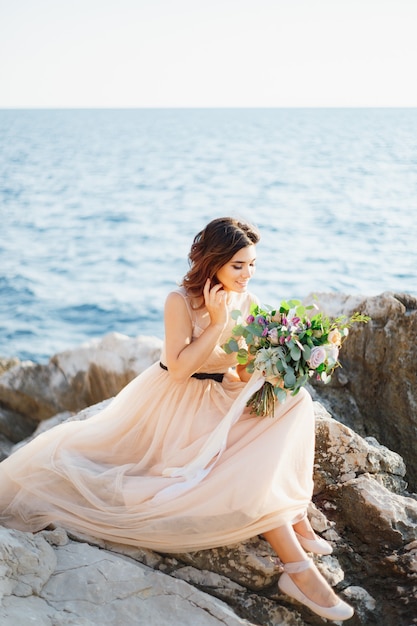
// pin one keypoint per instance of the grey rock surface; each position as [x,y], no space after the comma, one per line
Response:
[375,391]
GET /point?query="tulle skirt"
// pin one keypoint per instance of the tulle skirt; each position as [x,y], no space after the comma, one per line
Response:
[104,476]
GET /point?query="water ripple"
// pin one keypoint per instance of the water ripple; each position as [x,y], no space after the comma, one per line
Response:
[98,210]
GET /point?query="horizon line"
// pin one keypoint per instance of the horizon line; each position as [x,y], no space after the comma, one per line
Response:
[201,107]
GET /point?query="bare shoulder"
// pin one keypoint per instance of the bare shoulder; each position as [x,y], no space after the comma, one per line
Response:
[176,306]
[178,325]
[175,296]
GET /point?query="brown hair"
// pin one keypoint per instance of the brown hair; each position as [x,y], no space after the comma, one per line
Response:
[213,247]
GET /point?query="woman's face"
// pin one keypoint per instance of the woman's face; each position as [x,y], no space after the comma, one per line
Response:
[237,272]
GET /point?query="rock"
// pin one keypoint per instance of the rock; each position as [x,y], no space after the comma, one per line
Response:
[252,563]
[341,455]
[373,526]
[241,562]
[82,585]
[365,603]
[14,426]
[379,371]
[27,562]
[8,363]
[77,378]
[390,517]
[5,447]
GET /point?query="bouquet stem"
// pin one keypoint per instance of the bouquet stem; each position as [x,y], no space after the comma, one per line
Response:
[262,402]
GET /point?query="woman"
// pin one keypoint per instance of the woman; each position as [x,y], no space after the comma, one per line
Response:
[177,462]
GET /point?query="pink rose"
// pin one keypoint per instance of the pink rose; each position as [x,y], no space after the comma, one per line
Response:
[273,336]
[317,356]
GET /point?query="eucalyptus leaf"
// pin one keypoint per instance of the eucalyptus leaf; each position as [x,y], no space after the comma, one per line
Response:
[281,352]
[295,352]
[280,394]
[306,352]
[257,330]
[233,345]
[289,378]
[301,382]
[242,354]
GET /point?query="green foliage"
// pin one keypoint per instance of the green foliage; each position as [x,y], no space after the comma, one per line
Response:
[289,345]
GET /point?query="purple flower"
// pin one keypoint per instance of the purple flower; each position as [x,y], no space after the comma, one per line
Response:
[295,320]
[250,319]
[265,332]
[261,320]
[284,321]
[282,340]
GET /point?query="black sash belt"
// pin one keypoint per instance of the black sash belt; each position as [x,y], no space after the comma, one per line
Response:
[200,375]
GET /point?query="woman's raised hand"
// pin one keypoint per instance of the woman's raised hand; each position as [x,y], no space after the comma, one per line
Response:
[216,300]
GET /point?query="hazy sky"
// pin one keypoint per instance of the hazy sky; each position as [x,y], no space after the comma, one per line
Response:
[134,53]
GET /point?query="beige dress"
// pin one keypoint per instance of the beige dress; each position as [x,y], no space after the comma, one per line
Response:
[120,475]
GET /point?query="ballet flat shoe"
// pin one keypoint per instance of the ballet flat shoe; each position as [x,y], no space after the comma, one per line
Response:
[317,545]
[339,612]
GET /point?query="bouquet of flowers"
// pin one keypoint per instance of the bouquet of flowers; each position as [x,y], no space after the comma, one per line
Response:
[288,346]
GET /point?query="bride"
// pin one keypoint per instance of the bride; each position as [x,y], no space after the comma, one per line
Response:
[176,462]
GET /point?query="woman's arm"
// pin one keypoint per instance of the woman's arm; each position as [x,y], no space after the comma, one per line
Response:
[243,373]
[184,357]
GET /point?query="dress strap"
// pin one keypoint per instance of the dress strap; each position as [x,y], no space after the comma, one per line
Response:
[297,566]
[187,301]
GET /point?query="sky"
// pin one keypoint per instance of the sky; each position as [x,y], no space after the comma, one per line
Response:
[207,53]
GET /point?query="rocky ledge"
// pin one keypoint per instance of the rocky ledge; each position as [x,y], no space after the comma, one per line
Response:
[363,501]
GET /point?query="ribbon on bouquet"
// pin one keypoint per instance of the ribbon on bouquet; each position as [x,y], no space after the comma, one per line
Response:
[197,469]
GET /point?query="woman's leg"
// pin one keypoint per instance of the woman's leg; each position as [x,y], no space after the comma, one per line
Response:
[284,542]
[308,538]
[303,528]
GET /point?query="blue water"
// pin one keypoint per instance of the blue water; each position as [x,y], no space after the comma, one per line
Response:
[98,209]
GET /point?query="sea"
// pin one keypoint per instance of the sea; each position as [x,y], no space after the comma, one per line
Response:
[98,209]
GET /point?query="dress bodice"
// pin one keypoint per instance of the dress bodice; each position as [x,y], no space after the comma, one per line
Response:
[218,361]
